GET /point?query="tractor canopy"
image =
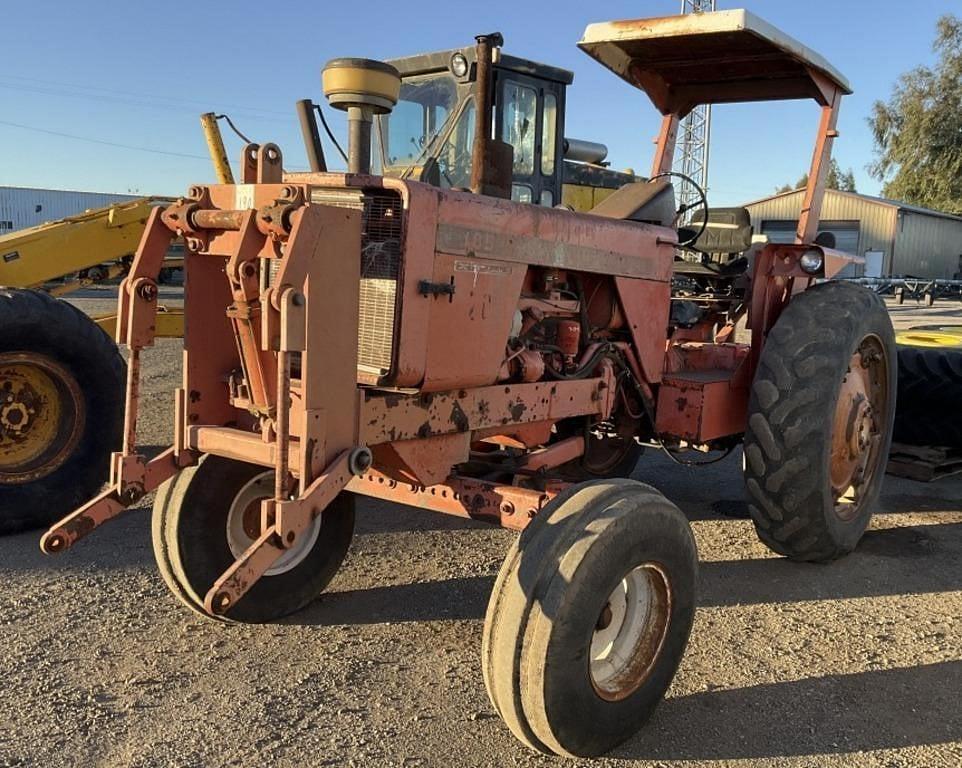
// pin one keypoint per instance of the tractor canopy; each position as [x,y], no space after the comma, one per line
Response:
[711,58]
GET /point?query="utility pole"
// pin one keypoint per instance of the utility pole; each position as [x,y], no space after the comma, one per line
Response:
[694,132]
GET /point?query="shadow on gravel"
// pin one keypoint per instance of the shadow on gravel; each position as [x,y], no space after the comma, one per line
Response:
[887,562]
[839,714]
[121,543]
[376,516]
[449,600]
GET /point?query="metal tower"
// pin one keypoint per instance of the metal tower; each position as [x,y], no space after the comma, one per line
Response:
[691,151]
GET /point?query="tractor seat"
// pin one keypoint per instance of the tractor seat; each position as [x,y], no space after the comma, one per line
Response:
[729,231]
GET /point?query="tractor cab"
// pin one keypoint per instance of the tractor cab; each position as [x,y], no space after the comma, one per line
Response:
[429,135]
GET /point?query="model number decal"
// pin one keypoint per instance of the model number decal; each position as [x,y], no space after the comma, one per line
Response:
[244,197]
[472,266]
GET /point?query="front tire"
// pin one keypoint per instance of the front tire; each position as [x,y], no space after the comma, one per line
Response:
[205,517]
[589,617]
[820,422]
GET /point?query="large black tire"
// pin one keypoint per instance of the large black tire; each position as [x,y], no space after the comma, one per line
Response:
[38,329]
[548,604]
[930,396]
[791,412]
[189,532]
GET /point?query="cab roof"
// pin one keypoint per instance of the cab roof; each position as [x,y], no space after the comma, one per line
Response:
[439,61]
[711,58]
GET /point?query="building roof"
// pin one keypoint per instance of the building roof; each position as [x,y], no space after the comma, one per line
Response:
[867,198]
[71,191]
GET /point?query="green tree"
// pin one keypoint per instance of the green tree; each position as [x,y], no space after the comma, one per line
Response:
[918,131]
[835,178]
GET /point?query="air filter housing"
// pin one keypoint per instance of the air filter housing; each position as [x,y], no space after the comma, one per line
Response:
[364,88]
[361,83]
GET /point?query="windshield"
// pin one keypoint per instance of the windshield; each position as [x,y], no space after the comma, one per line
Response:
[422,109]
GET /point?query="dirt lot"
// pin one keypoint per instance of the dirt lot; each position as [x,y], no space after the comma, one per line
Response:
[854,663]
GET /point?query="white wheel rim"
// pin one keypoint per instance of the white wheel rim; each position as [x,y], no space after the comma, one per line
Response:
[238,535]
[630,632]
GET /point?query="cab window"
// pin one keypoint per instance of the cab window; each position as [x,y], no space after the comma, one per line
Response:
[520,109]
[549,123]
[421,112]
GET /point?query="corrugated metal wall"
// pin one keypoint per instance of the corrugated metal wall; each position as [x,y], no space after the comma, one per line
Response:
[22,207]
[913,242]
[876,220]
[927,246]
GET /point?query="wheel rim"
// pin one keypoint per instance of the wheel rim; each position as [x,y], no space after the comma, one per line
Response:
[244,525]
[857,432]
[630,632]
[42,416]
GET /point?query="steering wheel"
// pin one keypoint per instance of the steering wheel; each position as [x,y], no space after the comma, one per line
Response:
[701,202]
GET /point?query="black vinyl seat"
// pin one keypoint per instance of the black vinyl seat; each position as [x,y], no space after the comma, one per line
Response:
[729,231]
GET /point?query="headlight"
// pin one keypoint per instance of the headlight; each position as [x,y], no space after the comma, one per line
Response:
[812,262]
[459,65]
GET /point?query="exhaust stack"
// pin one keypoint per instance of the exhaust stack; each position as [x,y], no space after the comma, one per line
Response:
[363,88]
[491,159]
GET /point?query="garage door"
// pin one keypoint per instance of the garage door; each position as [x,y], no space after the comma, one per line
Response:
[845,233]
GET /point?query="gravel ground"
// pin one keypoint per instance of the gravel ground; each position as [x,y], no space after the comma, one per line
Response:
[857,663]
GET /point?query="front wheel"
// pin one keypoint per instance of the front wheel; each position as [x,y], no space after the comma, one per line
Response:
[820,422]
[206,517]
[590,617]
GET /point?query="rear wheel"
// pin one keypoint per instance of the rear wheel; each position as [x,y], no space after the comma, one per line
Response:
[589,617]
[930,387]
[608,453]
[205,518]
[820,422]
[61,408]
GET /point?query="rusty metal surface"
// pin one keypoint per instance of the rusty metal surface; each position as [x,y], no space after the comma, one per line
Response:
[65,533]
[863,402]
[506,505]
[704,391]
[818,172]
[740,57]
[390,417]
[645,305]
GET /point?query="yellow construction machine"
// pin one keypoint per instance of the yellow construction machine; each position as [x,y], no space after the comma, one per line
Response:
[61,375]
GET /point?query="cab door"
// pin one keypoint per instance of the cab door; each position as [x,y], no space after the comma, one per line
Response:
[528,117]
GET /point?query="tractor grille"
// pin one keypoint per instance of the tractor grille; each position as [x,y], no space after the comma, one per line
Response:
[380,270]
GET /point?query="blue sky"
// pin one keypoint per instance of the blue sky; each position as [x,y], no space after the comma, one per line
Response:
[140,73]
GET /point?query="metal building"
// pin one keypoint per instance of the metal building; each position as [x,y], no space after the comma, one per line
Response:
[895,238]
[22,207]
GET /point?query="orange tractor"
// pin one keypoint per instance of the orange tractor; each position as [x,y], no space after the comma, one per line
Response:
[411,339]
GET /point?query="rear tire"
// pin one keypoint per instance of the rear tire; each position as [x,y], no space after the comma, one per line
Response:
[54,362]
[190,531]
[609,456]
[590,617]
[930,392]
[804,378]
